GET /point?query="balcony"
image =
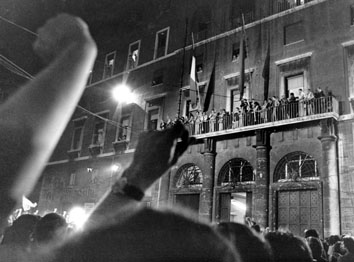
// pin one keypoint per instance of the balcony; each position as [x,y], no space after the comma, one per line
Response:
[292,113]
[283,5]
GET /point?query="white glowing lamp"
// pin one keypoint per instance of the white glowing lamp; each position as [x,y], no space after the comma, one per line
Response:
[77,217]
[123,94]
[114,168]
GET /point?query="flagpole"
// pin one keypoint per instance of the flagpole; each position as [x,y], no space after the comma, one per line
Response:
[242,57]
[182,71]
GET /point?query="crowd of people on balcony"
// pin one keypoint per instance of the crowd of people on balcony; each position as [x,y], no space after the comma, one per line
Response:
[253,112]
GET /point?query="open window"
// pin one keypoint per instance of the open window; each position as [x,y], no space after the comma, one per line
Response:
[109,65]
[161,43]
[153,113]
[77,136]
[133,55]
[124,128]
[99,131]
[157,77]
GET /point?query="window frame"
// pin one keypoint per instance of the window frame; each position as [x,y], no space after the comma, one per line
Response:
[128,135]
[103,114]
[82,126]
[130,52]
[167,29]
[107,66]
[157,74]
[156,102]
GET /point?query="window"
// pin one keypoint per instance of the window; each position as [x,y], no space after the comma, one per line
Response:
[72,181]
[189,176]
[153,119]
[248,10]
[153,111]
[157,77]
[109,65]
[235,51]
[161,43]
[293,33]
[133,55]
[124,129]
[352,14]
[294,84]
[202,33]
[295,166]
[236,171]
[232,84]
[294,74]
[76,141]
[99,130]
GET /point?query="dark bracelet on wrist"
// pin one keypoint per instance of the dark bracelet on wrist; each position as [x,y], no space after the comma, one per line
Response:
[122,187]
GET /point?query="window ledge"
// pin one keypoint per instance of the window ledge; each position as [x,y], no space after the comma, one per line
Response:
[74,153]
[120,146]
[294,43]
[95,149]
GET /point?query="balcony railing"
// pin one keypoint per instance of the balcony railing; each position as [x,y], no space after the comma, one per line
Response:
[318,108]
[282,5]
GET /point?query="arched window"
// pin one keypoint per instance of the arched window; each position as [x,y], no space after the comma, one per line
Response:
[235,171]
[295,166]
[189,176]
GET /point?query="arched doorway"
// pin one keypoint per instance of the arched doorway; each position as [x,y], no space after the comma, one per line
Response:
[296,194]
[234,191]
[187,186]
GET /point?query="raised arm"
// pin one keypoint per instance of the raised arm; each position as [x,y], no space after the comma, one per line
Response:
[155,153]
[33,119]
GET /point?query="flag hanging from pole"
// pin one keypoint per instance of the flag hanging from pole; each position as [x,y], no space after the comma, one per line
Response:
[210,90]
[243,54]
[266,72]
[193,83]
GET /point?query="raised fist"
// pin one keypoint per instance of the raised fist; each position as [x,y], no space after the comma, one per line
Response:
[60,33]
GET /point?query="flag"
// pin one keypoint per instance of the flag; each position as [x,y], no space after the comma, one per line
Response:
[193,82]
[243,55]
[266,72]
[210,90]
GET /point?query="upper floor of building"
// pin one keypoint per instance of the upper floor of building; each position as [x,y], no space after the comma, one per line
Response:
[304,44]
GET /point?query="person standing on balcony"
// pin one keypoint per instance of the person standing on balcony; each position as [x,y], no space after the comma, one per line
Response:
[293,107]
[212,121]
[319,100]
[269,109]
[275,113]
[283,108]
[309,97]
[197,122]
[204,122]
[301,103]
[222,115]
[236,118]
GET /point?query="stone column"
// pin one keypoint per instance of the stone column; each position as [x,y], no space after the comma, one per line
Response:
[206,196]
[330,178]
[260,196]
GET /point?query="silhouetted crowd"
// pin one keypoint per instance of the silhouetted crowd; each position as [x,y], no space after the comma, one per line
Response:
[31,236]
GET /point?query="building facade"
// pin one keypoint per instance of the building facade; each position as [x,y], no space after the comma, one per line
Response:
[286,167]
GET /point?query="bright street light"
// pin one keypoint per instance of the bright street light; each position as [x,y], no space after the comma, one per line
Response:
[123,94]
